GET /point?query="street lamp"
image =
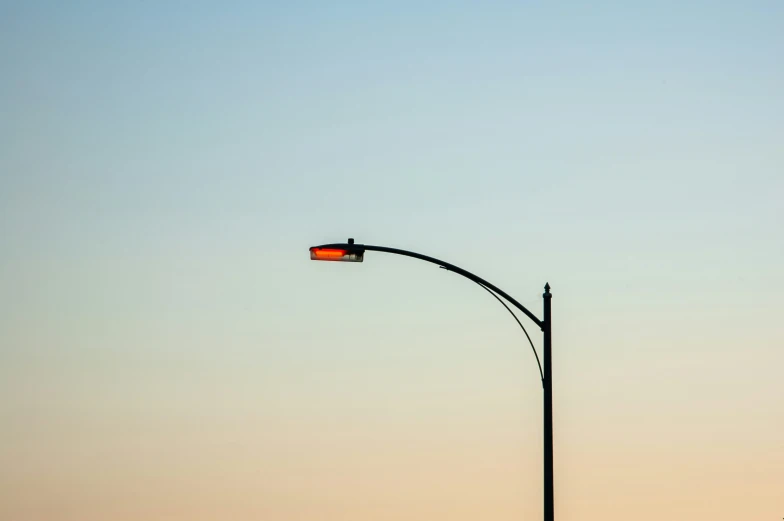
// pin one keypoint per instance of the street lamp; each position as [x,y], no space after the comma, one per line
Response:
[351,252]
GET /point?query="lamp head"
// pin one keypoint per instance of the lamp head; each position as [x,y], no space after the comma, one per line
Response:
[347,252]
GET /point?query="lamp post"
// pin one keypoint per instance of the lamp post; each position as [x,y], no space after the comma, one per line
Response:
[351,252]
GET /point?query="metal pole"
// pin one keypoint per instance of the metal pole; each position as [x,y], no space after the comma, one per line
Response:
[549,514]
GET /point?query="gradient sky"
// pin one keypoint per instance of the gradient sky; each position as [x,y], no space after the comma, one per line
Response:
[168,351]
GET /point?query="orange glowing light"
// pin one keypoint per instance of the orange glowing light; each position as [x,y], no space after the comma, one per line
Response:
[324,253]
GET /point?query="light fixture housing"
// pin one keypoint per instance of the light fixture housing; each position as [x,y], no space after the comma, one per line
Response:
[338,252]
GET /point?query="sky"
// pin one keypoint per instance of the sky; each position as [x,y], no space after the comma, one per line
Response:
[169,352]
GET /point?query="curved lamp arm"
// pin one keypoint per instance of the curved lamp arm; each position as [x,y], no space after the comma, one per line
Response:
[356,253]
[359,249]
